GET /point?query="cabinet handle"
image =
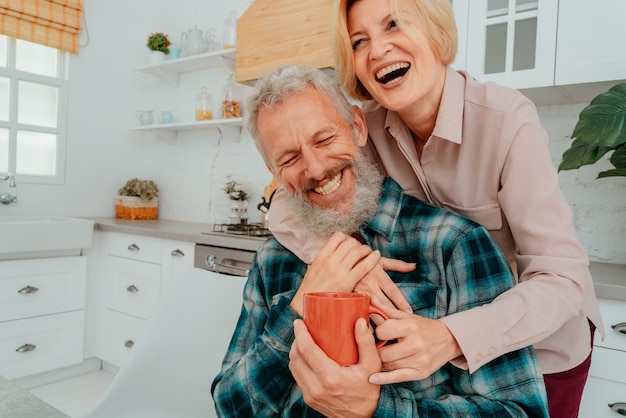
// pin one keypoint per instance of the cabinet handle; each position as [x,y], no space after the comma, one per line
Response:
[129,343]
[26,347]
[133,247]
[132,288]
[28,289]
[619,407]
[621,327]
[177,253]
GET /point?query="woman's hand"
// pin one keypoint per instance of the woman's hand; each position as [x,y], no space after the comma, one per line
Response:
[377,284]
[424,346]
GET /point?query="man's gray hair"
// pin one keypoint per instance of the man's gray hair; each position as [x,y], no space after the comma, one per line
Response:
[286,80]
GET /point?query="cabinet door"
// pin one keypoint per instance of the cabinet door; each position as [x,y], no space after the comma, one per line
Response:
[512,42]
[590,44]
[41,286]
[177,259]
[39,344]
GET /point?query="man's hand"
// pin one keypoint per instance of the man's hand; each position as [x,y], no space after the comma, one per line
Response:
[378,285]
[338,266]
[424,346]
[331,389]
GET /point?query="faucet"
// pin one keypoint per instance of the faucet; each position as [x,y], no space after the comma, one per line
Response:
[6,198]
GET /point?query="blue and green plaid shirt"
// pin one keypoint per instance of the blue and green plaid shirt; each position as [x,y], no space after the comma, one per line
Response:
[458,267]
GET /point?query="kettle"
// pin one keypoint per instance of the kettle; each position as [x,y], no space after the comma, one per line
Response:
[266,200]
[192,41]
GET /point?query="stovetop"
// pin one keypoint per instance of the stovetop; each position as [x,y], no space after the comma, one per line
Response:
[245,229]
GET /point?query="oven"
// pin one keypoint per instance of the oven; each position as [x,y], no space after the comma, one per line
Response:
[233,252]
[230,261]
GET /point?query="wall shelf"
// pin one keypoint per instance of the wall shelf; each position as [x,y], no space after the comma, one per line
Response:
[170,130]
[171,69]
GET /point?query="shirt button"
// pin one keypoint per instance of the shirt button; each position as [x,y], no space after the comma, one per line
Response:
[492,351]
[479,357]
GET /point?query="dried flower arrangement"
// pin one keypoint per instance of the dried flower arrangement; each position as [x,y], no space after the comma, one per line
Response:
[138,199]
[236,191]
[159,42]
[143,189]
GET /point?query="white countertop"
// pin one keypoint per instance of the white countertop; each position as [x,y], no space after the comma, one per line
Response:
[609,279]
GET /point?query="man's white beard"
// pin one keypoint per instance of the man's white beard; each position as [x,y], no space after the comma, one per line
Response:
[324,222]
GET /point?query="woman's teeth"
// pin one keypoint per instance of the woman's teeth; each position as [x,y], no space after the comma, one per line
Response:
[392,72]
[329,187]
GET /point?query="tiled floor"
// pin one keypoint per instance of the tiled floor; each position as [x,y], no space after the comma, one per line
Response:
[77,395]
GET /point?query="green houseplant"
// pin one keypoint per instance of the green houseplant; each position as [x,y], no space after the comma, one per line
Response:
[601,128]
[159,42]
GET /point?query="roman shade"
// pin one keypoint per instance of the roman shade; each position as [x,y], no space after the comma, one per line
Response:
[54,23]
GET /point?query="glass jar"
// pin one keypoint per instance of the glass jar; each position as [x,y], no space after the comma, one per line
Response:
[204,105]
[231,102]
[229,36]
[210,44]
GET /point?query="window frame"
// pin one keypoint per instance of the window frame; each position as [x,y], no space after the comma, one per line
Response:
[62,83]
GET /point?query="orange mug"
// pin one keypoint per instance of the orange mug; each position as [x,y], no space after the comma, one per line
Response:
[330,319]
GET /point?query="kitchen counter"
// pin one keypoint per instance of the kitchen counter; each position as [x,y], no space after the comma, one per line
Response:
[609,279]
[199,233]
[16,402]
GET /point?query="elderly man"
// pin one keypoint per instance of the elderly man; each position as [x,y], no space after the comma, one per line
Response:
[310,138]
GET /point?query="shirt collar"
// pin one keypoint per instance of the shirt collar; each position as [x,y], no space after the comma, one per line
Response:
[386,217]
[449,125]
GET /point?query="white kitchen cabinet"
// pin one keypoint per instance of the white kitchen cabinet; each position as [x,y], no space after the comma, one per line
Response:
[42,317]
[170,71]
[591,41]
[607,378]
[512,42]
[554,51]
[135,271]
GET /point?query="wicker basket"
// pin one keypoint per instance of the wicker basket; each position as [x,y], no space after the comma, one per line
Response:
[131,207]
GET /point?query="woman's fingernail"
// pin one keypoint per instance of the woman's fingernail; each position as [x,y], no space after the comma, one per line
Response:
[373,379]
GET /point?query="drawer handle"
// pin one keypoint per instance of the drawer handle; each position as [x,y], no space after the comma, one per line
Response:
[132,288]
[129,344]
[133,247]
[177,253]
[28,289]
[25,348]
[619,407]
[621,327]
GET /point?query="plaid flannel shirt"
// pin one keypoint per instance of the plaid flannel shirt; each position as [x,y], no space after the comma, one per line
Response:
[458,267]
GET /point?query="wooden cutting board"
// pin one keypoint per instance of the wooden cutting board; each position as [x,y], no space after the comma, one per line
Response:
[273,32]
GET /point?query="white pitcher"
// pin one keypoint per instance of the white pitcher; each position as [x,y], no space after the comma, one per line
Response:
[192,41]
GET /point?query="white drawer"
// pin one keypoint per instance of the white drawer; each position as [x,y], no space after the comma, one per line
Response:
[133,287]
[41,286]
[598,395]
[118,337]
[135,247]
[35,345]
[608,364]
[613,314]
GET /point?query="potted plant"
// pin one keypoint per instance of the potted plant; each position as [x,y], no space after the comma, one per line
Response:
[138,199]
[159,44]
[238,193]
[601,128]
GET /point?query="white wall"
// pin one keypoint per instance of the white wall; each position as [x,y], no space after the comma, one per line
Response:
[103,153]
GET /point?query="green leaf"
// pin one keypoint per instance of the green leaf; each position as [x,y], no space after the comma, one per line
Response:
[603,122]
[581,153]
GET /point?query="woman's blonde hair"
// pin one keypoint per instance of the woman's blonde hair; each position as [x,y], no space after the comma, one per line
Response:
[434,17]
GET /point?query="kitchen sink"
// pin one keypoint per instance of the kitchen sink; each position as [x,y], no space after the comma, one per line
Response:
[35,236]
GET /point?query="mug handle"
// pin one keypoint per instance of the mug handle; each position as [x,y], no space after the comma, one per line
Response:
[377,311]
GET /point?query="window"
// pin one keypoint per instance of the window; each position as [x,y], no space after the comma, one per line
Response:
[33,111]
